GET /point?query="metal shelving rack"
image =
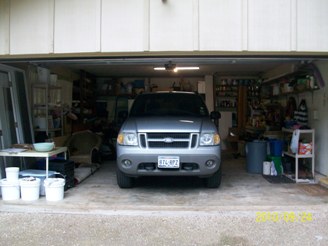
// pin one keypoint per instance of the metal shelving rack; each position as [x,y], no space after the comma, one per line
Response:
[297,157]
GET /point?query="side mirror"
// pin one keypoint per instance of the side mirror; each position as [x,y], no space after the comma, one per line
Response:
[215,115]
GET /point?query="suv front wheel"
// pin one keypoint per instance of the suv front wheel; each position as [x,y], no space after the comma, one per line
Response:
[123,181]
[215,180]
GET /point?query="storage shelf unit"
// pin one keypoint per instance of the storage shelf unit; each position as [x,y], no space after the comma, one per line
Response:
[84,99]
[298,157]
[299,80]
[234,94]
[46,104]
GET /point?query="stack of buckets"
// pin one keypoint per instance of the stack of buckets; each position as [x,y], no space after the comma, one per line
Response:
[29,187]
[10,186]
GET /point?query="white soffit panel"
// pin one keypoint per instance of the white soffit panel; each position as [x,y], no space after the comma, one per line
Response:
[220,25]
[31,26]
[312,25]
[4,27]
[122,25]
[269,25]
[77,26]
[171,25]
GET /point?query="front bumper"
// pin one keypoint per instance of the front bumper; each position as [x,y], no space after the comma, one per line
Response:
[195,158]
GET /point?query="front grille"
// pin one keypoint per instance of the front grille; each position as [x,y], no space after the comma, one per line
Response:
[168,135]
[168,145]
[152,166]
[168,140]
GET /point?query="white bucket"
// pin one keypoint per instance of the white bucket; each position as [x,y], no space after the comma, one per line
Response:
[266,168]
[30,188]
[41,174]
[10,190]
[12,174]
[54,189]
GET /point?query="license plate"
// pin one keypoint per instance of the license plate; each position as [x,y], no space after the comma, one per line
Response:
[168,162]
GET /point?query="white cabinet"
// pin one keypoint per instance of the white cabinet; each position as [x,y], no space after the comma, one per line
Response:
[309,134]
[47,109]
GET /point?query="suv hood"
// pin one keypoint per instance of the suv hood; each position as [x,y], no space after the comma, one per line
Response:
[169,124]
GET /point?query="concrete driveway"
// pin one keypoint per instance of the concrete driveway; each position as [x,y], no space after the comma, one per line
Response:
[245,210]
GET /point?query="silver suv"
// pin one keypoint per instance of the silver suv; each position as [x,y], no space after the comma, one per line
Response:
[169,134]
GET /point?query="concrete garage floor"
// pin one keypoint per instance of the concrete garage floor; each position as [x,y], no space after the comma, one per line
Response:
[174,211]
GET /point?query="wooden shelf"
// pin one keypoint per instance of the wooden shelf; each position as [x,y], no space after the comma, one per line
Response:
[227,109]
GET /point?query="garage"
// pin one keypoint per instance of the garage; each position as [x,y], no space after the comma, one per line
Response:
[251,94]
[74,82]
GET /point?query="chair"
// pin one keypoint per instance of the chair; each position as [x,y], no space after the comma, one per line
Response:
[83,147]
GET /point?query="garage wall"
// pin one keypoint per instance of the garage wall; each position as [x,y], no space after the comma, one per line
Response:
[92,26]
[319,102]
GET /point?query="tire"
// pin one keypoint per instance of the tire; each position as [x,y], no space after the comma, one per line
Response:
[123,181]
[215,180]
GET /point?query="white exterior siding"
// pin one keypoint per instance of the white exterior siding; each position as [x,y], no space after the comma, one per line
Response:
[123,26]
[171,25]
[312,25]
[4,27]
[269,25]
[221,25]
[77,26]
[31,27]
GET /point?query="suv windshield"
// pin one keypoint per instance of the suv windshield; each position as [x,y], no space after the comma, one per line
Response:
[169,104]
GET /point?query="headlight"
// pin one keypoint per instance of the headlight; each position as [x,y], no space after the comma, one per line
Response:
[127,138]
[208,139]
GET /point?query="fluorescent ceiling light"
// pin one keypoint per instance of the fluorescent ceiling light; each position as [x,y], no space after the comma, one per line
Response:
[172,67]
[159,68]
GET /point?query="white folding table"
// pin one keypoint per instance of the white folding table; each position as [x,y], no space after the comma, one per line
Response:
[33,153]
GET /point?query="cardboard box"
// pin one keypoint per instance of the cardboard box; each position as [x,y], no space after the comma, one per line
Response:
[305,149]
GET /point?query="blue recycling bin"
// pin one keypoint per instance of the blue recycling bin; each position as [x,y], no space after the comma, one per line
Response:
[276,147]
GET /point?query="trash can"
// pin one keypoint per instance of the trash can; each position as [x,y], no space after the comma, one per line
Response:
[256,152]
